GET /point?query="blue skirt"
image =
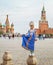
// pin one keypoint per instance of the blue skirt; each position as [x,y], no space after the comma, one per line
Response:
[30,44]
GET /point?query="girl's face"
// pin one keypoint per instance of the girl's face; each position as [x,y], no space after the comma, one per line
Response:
[31,26]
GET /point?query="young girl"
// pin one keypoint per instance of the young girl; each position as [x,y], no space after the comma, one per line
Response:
[28,39]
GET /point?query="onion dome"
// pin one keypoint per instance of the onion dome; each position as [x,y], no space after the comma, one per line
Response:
[4,25]
[12,24]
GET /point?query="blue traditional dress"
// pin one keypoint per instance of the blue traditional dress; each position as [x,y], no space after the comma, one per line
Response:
[25,39]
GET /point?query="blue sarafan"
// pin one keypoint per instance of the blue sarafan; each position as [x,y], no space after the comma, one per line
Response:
[31,42]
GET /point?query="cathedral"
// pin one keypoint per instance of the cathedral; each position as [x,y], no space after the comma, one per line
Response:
[6,28]
[43,24]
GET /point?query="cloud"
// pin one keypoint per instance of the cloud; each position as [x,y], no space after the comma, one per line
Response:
[21,12]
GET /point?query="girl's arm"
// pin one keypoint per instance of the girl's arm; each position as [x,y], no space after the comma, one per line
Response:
[35,39]
[30,38]
[21,35]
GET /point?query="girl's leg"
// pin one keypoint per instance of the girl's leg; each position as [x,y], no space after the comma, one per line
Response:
[32,52]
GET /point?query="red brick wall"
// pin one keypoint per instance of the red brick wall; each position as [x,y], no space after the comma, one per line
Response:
[43,26]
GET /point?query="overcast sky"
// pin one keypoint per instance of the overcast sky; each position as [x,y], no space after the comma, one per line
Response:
[21,12]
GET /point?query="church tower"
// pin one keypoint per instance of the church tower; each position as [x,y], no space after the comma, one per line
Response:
[7,25]
[43,23]
[12,28]
[43,15]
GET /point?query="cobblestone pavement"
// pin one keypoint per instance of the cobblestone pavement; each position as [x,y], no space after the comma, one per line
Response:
[43,51]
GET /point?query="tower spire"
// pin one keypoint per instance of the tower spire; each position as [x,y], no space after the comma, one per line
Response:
[43,9]
[7,15]
[7,21]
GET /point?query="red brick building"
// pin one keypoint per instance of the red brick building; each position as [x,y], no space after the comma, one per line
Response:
[43,24]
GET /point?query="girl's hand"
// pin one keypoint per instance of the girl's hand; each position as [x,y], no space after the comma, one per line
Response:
[21,35]
[35,39]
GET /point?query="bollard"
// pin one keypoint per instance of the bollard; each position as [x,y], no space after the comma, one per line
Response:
[31,60]
[7,59]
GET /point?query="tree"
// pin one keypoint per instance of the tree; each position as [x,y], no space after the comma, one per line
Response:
[1,32]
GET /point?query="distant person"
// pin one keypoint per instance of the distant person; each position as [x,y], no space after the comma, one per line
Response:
[40,36]
[43,36]
[9,36]
[29,39]
[13,36]
[4,35]
[0,35]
